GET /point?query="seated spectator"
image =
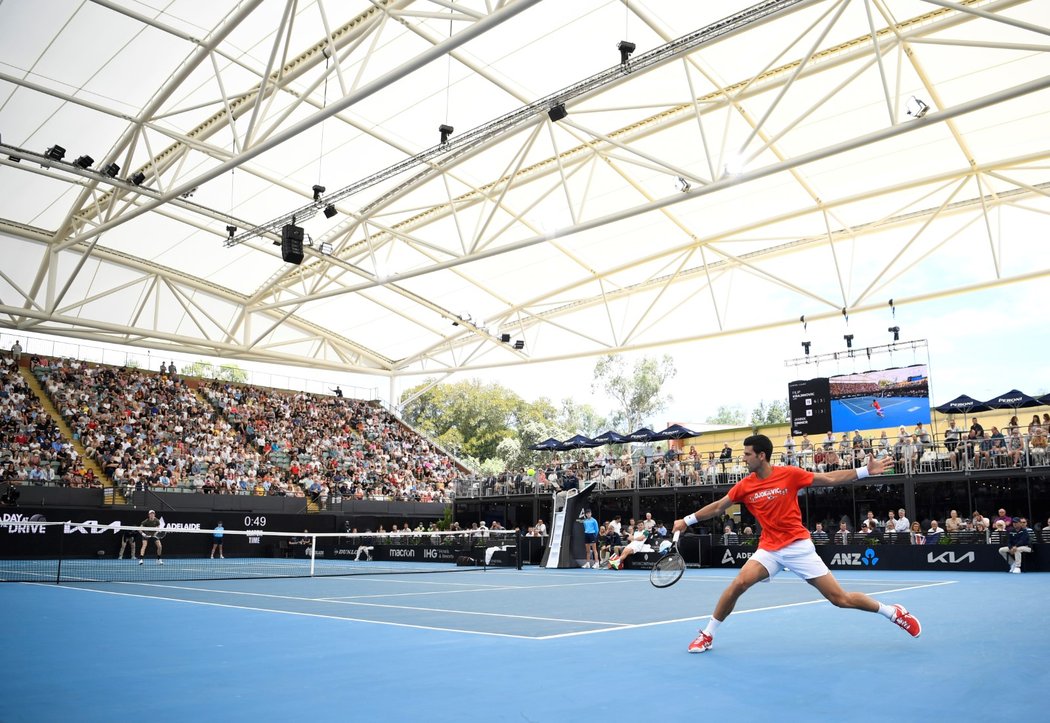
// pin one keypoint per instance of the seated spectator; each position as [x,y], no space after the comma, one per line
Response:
[729,537]
[933,535]
[819,536]
[917,538]
[1018,543]
[954,523]
[843,535]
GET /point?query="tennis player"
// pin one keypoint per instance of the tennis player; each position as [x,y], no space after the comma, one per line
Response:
[878,408]
[147,535]
[771,494]
[216,535]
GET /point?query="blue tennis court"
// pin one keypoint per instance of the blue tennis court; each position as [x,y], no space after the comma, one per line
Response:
[858,413]
[530,645]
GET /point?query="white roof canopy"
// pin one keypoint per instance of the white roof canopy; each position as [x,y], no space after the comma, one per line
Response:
[799,158]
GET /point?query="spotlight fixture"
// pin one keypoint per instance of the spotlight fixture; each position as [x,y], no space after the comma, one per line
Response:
[56,153]
[325,248]
[318,190]
[683,185]
[111,170]
[896,331]
[84,162]
[916,107]
[231,230]
[625,47]
[849,340]
[806,345]
[557,112]
[505,338]
[519,344]
[329,211]
[137,178]
[445,130]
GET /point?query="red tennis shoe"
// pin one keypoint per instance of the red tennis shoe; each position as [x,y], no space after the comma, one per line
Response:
[701,644]
[909,622]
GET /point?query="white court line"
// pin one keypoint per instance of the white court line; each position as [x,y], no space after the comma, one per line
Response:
[735,612]
[480,589]
[289,612]
[373,605]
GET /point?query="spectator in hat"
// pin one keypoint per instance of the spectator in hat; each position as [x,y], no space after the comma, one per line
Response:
[1017,543]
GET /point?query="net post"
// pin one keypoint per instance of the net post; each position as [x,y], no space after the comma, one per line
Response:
[61,554]
[313,553]
[517,550]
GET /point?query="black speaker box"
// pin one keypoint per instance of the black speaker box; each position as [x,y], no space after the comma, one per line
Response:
[292,244]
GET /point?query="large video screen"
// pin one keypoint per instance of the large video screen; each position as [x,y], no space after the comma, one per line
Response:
[884,398]
[808,401]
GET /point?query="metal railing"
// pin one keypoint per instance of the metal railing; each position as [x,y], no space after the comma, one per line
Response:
[912,457]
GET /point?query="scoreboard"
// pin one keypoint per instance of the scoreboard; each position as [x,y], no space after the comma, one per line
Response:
[809,401]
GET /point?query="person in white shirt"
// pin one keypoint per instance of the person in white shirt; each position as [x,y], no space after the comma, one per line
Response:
[541,529]
[903,525]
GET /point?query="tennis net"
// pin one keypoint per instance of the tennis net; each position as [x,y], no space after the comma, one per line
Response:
[91,552]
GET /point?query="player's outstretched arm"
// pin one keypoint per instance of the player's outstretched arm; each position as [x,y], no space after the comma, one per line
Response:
[875,467]
[706,512]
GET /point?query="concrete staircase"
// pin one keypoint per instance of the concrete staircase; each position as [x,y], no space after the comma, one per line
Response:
[116,496]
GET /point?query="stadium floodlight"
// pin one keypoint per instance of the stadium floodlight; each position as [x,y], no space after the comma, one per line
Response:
[111,170]
[558,112]
[445,131]
[84,161]
[849,340]
[329,211]
[137,178]
[896,331]
[318,190]
[625,47]
[55,152]
[806,345]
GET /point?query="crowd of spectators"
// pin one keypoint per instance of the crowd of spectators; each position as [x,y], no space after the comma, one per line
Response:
[32,448]
[147,431]
[333,448]
[896,528]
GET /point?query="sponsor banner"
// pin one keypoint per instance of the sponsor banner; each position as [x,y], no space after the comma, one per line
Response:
[415,553]
[957,558]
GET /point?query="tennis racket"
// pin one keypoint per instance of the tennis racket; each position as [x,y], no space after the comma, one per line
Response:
[161,535]
[669,568]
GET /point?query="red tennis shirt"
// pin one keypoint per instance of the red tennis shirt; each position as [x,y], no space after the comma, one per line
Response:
[774,503]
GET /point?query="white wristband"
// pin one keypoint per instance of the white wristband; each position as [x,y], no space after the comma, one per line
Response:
[862,472]
[690,520]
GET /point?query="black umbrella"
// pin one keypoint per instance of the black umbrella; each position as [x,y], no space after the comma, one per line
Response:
[676,431]
[642,435]
[610,437]
[577,441]
[1013,399]
[1045,399]
[963,405]
[546,446]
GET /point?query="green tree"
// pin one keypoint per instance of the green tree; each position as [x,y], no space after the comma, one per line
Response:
[576,418]
[727,415]
[636,391]
[775,412]
[468,418]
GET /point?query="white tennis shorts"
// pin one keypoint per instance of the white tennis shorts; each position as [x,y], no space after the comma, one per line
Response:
[800,557]
[640,546]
